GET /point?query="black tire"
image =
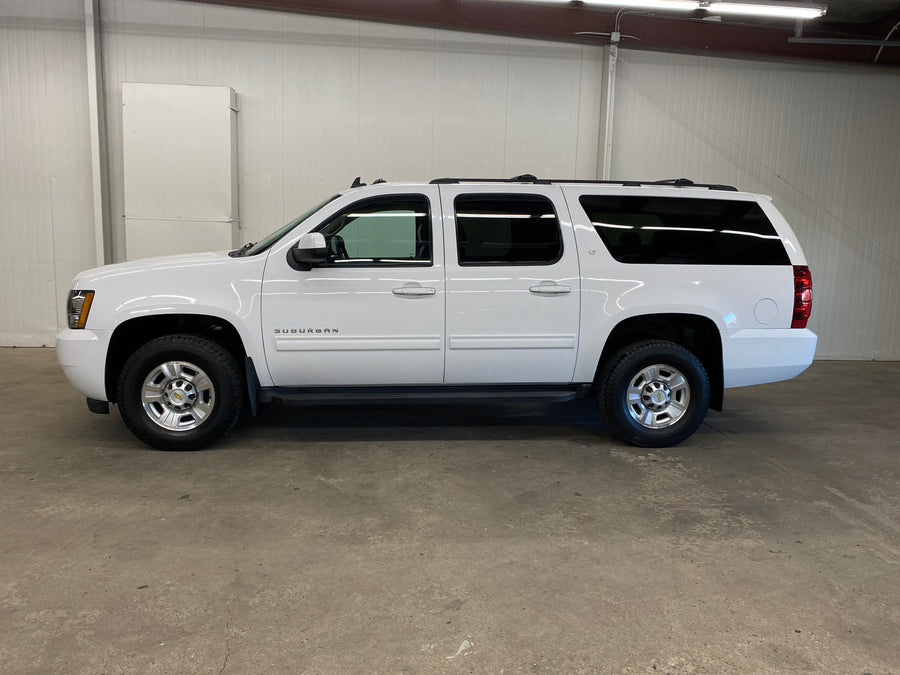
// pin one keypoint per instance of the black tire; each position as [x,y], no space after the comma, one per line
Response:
[188,370]
[656,410]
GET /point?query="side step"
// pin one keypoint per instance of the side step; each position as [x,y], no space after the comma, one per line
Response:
[441,394]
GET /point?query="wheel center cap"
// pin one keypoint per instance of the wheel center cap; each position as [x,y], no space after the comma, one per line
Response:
[656,395]
[180,394]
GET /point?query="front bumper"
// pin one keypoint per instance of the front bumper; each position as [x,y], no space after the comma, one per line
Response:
[82,355]
[757,356]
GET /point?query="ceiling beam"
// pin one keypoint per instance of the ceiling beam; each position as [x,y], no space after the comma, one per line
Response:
[881,27]
[563,22]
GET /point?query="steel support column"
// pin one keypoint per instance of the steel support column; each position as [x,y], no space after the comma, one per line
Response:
[97,117]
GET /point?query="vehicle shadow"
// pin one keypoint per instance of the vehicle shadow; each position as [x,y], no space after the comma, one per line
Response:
[366,423]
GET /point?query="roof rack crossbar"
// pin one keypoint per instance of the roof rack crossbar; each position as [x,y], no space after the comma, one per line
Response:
[524,178]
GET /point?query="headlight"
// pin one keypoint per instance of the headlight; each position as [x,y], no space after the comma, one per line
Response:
[78,307]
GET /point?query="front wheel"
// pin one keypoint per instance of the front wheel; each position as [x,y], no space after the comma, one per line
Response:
[654,393]
[180,392]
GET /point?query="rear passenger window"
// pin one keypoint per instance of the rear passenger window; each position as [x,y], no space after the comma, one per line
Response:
[684,231]
[506,230]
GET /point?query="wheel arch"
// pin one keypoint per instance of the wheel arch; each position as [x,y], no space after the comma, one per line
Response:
[131,334]
[697,333]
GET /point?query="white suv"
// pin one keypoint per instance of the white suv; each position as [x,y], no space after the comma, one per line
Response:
[662,294]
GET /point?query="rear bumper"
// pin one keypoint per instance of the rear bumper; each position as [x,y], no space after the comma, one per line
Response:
[82,355]
[757,356]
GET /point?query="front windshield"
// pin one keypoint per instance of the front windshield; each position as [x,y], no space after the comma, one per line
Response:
[266,242]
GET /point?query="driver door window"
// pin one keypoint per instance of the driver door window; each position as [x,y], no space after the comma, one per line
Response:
[393,231]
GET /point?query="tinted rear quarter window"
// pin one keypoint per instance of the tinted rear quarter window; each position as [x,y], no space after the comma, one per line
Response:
[684,230]
[506,230]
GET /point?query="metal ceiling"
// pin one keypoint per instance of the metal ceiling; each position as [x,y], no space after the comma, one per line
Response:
[853,31]
[860,11]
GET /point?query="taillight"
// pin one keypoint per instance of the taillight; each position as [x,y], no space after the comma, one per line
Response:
[802,296]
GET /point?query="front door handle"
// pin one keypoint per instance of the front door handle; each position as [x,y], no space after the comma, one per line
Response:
[414,290]
[550,289]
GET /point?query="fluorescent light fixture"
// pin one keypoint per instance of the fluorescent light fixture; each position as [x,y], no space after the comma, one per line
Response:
[613,226]
[666,228]
[751,234]
[785,11]
[505,216]
[674,5]
[386,214]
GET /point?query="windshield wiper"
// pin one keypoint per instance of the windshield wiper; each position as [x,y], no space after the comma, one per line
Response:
[243,249]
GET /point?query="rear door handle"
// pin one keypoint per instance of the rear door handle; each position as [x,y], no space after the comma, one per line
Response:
[550,289]
[414,290]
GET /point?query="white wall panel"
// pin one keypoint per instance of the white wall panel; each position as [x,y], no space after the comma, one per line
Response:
[323,100]
[46,216]
[395,118]
[469,137]
[180,169]
[821,139]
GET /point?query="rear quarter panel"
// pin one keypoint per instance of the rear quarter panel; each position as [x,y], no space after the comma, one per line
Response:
[733,297]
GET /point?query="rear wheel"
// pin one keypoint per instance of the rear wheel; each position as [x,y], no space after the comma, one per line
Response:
[180,392]
[654,393]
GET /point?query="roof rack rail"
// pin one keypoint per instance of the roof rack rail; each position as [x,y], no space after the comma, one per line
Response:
[524,178]
[529,178]
[687,182]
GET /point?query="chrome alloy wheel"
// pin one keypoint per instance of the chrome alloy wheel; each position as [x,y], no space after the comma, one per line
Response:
[658,396]
[178,396]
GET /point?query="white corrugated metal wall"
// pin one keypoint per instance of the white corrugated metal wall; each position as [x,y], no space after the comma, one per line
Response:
[46,205]
[325,99]
[821,139]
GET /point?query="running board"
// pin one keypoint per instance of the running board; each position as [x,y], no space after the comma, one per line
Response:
[444,394]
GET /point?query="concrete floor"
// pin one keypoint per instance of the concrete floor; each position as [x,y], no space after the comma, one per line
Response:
[454,539]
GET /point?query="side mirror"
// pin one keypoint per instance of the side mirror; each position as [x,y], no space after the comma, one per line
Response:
[309,251]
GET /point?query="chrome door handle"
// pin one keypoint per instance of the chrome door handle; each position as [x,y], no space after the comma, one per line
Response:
[414,290]
[550,289]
